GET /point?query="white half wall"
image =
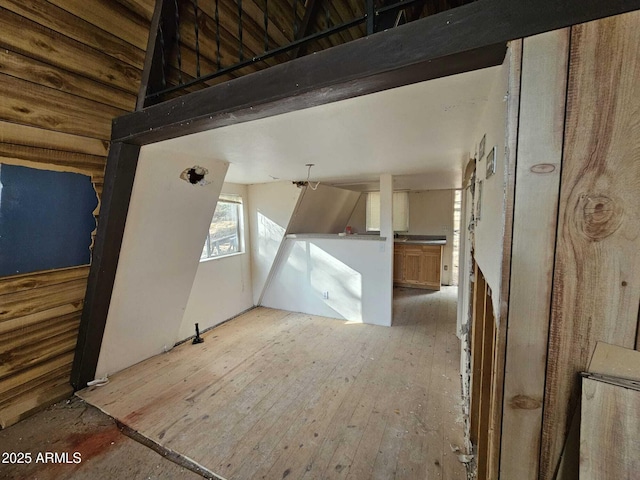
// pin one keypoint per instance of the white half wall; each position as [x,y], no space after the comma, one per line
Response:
[270,208]
[489,228]
[167,222]
[222,287]
[356,273]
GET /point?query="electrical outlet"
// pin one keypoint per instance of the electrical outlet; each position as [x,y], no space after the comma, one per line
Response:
[325,295]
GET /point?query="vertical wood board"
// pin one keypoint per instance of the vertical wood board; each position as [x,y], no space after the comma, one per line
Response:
[609,442]
[596,288]
[539,155]
[513,108]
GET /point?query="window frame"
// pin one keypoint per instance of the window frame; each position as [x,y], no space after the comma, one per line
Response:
[231,199]
[369,227]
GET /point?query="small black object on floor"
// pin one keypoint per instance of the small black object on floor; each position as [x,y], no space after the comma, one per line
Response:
[198,338]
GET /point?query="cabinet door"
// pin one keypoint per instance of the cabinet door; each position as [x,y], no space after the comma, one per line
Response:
[430,267]
[412,264]
[398,264]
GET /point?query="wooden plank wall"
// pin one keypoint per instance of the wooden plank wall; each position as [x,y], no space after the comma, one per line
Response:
[67,68]
[610,447]
[596,274]
[539,157]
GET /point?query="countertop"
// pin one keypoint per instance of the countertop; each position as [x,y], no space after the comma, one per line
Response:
[421,240]
[300,236]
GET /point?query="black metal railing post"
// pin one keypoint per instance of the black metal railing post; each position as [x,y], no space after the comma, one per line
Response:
[240,53]
[371,16]
[266,25]
[378,15]
[163,78]
[217,37]
[197,28]
[179,53]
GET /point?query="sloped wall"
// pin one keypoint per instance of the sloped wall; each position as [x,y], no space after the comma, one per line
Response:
[222,287]
[167,222]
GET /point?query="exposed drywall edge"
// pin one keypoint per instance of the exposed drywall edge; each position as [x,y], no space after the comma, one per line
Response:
[489,229]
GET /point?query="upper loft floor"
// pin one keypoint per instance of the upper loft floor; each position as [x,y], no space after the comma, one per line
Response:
[198,43]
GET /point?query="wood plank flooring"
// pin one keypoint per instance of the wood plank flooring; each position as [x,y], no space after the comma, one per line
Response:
[274,394]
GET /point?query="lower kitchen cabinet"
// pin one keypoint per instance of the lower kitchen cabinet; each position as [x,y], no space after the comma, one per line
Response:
[417,266]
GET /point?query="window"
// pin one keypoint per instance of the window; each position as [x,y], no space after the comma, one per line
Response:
[400,211]
[225,231]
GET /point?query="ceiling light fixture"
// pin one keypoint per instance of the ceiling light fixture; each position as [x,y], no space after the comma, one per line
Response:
[309,165]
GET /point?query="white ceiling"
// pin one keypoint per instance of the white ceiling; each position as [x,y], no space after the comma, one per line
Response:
[422,132]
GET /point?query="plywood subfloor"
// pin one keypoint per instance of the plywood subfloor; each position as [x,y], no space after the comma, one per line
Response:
[275,394]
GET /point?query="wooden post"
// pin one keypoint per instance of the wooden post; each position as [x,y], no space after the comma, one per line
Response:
[118,185]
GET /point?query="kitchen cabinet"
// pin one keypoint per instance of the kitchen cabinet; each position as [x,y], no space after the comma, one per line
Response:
[417,265]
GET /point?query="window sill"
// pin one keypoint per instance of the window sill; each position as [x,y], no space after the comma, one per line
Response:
[222,257]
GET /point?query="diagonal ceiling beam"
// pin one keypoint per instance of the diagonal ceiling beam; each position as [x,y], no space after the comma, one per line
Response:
[310,14]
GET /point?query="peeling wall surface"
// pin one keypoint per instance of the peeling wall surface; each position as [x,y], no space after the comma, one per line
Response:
[46,219]
[489,206]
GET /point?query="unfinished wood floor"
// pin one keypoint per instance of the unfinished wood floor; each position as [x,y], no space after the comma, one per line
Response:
[274,395]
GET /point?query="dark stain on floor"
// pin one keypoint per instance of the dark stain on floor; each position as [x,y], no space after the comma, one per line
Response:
[73,426]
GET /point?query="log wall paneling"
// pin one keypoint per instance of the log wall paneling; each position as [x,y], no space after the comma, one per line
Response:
[41,106]
[39,321]
[22,35]
[109,16]
[539,155]
[142,8]
[38,137]
[67,68]
[41,73]
[596,289]
[61,21]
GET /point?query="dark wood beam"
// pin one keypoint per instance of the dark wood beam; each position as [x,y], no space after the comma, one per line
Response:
[120,172]
[428,48]
[158,48]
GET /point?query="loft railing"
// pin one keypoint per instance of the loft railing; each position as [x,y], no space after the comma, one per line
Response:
[203,42]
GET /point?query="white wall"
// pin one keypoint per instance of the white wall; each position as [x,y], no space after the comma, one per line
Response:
[270,208]
[431,213]
[323,210]
[489,229]
[358,220]
[355,272]
[222,287]
[167,221]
